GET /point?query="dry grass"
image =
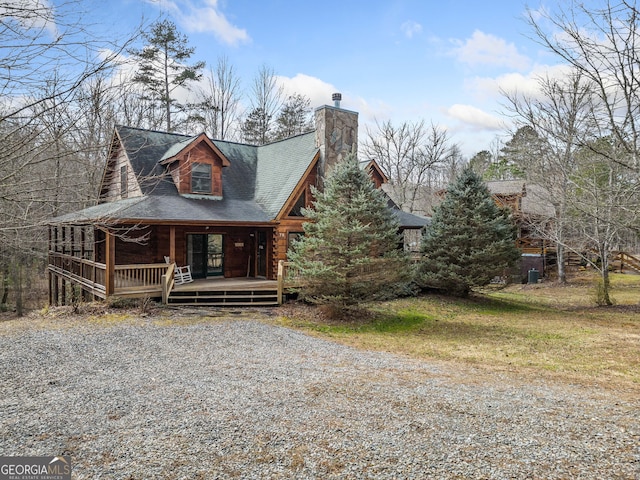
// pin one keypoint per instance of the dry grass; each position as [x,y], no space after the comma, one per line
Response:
[536,330]
[542,330]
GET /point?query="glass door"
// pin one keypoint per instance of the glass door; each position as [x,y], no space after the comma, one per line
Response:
[215,255]
[205,254]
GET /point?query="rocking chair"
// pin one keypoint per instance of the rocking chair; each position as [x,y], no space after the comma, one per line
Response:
[181,275]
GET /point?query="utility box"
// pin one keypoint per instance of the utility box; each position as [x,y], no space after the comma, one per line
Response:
[534,275]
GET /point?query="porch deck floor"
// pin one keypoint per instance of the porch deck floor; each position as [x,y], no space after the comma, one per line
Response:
[227,284]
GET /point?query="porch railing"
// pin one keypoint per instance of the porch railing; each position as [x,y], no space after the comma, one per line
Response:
[128,280]
[287,278]
[88,274]
[138,278]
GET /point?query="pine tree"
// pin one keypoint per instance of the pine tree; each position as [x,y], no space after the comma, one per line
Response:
[350,249]
[470,239]
[294,117]
[255,128]
[162,65]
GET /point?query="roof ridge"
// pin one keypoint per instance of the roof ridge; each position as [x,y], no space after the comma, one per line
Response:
[288,138]
[150,130]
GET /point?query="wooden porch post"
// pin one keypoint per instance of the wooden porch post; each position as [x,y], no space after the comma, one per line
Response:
[172,243]
[51,289]
[110,262]
[280,281]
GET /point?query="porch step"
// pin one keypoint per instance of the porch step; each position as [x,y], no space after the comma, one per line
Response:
[232,298]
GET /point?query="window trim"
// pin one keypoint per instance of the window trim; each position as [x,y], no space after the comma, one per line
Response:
[199,176]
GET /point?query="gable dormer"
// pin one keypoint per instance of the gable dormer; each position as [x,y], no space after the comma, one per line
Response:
[196,166]
[118,178]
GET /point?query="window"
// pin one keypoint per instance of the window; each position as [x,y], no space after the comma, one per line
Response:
[124,181]
[201,178]
[296,211]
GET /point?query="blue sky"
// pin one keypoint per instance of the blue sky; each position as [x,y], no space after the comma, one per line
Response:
[403,60]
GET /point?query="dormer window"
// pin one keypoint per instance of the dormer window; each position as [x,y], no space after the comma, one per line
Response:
[201,178]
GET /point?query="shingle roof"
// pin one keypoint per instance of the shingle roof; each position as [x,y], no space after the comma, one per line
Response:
[506,187]
[256,185]
[145,148]
[178,208]
[410,220]
[281,165]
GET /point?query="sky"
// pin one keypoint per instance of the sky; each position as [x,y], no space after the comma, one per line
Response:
[439,61]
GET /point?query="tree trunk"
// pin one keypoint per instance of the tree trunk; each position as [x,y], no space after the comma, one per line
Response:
[17,284]
[604,297]
[5,285]
[560,258]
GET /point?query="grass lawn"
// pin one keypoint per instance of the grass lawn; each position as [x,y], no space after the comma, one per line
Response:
[529,329]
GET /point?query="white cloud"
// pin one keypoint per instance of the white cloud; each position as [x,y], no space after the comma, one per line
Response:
[411,28]
[487,49]
[203,16]
[475,117]
[523,84]
[30,14]
[318,91]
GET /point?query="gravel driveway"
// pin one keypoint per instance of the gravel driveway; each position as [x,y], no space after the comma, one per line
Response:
[244,399]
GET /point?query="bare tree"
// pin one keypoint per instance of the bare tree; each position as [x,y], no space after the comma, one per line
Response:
[604,202]
[561,117]
[46,56]
[266,100]
[603,44]
[410,154]
[220,99]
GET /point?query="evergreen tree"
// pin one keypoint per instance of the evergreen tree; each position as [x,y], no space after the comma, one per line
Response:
[294,117]
[350,249]
[255,128]
[470,239]
[162,65]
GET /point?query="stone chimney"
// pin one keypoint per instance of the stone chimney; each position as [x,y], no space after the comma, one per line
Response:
[336,134]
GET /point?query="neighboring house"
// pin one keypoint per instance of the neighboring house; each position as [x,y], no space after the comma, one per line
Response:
[531,210]
[227,210]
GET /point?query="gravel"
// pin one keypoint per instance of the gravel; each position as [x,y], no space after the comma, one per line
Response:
[246,399]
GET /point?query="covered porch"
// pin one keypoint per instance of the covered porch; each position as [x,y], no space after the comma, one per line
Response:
[97,263]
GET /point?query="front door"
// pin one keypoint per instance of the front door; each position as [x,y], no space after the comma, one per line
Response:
[205,255]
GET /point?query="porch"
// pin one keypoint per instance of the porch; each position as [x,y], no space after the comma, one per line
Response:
[71,276]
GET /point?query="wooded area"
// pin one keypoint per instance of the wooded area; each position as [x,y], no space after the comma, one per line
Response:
[62,94]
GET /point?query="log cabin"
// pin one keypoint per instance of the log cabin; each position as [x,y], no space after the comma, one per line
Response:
[532,211]
[226,212]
